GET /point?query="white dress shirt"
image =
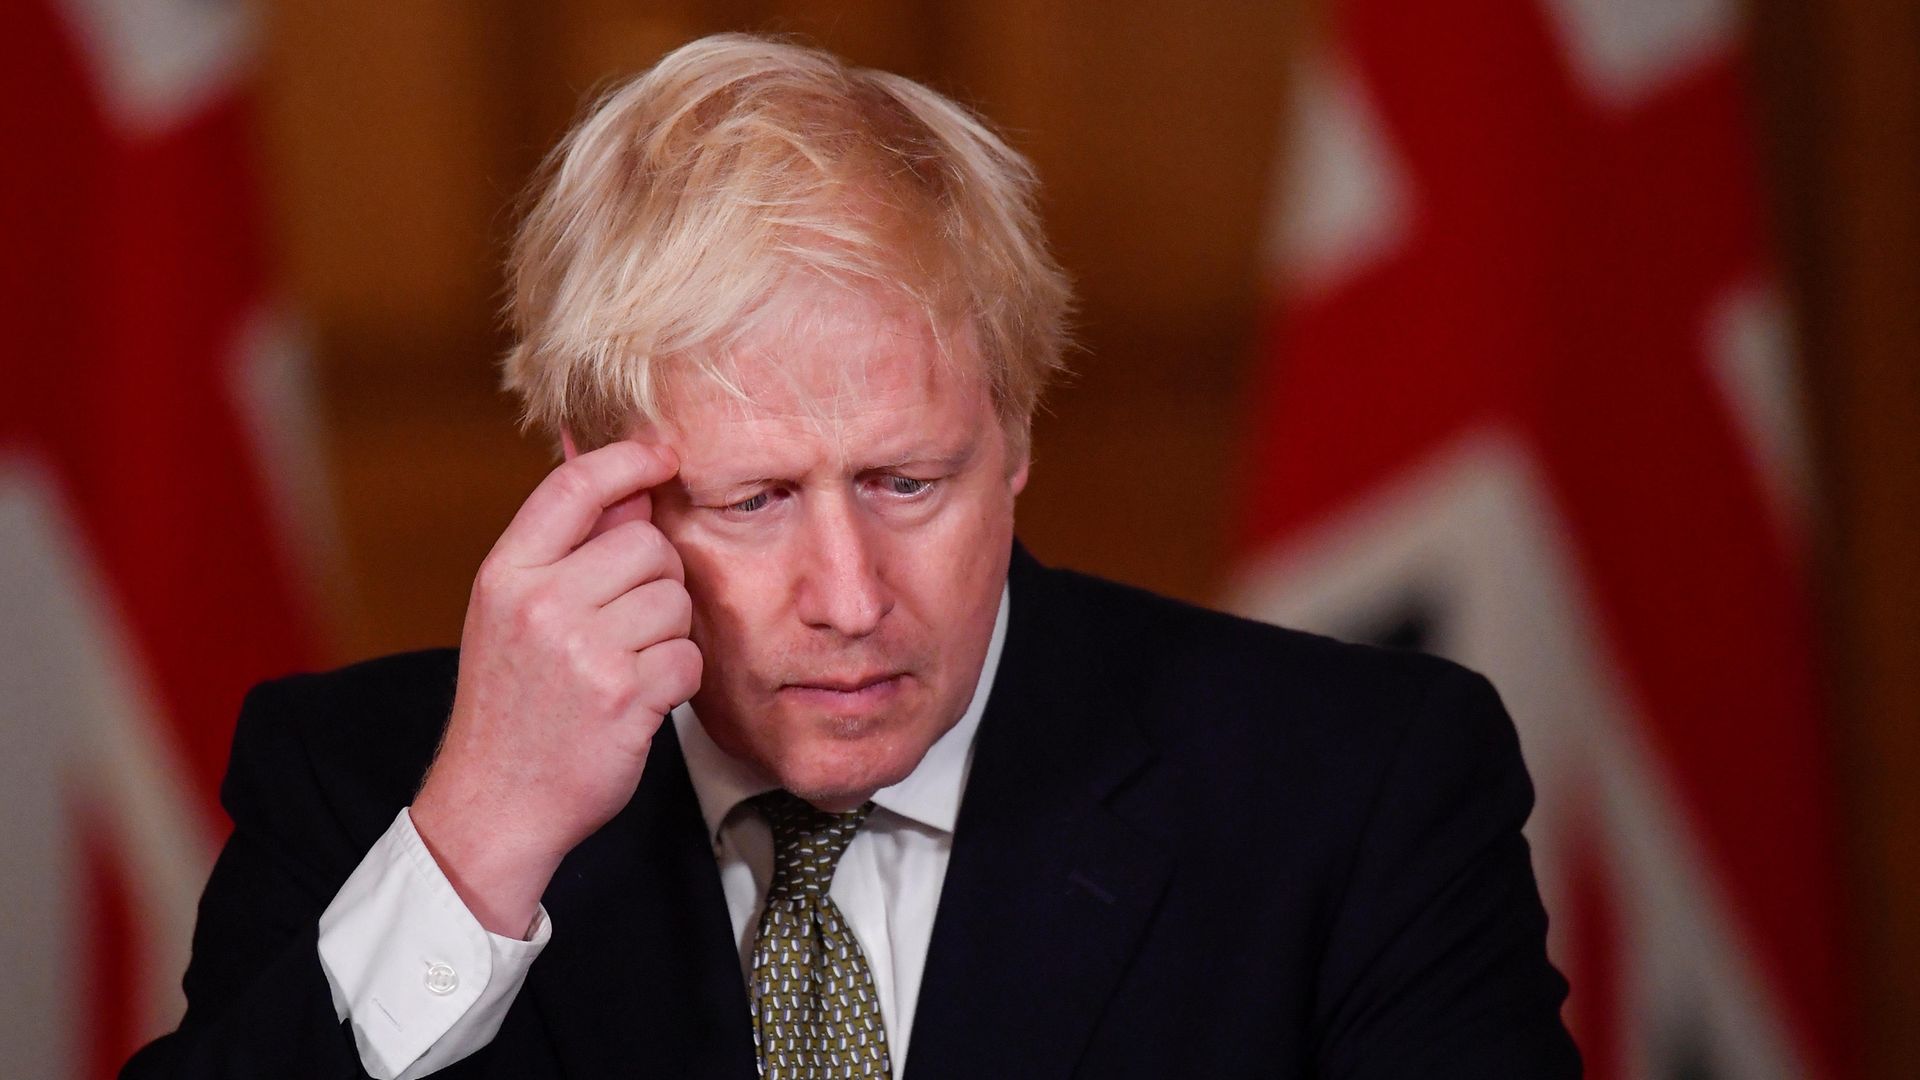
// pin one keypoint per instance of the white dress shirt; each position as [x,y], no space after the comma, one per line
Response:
[425,984]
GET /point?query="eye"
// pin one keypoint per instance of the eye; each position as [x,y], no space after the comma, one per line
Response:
[905,486]
[749,505]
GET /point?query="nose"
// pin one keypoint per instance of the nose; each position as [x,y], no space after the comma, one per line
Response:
[842,586]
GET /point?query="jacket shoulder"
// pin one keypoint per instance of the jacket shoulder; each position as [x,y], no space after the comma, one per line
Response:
[1173,652]
[1246,705]
[350,744]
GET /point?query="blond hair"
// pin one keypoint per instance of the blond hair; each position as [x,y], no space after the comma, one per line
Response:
[668,217]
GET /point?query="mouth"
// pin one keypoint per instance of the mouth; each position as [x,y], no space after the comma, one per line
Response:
[847,695]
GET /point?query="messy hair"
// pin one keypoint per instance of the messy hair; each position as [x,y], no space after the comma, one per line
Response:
[670,216]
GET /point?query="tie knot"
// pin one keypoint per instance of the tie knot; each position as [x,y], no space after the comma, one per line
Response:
[807,842]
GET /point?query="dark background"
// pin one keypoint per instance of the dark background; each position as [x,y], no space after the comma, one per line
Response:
[399,135]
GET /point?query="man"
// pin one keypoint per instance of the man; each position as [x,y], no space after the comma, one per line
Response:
[917,795]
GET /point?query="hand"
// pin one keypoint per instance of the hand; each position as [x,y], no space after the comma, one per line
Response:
[574,649]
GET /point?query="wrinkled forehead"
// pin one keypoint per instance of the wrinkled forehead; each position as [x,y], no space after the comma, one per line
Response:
[827,351]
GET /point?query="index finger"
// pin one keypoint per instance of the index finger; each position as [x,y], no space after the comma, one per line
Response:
[562,509]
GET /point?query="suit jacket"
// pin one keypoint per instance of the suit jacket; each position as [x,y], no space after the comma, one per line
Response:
[1190,845]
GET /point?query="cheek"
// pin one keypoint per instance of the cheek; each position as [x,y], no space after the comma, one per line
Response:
[733,598]
[959,565]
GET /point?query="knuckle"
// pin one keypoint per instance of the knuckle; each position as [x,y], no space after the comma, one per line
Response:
[671,673]
[491,578]
[569,482]
[541,613]
[647,547]
[679,604]
[577,646]
[607,689]
[684,667]
[671,565]
[648,543]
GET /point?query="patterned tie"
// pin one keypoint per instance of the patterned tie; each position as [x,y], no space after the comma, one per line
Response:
[815,1014]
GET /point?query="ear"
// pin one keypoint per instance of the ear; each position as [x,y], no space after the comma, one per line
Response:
[1019,448]
[566,445]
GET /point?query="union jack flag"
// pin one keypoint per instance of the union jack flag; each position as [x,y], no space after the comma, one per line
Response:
[156,476]
[1532,405]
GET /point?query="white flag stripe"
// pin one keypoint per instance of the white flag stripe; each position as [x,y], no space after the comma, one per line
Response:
[158,62]
[1341,197]
[72,671]
[1626,50]
[274,395]
[1750,350]
[41,888]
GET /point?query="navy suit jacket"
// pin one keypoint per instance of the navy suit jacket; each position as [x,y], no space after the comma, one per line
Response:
[1190,845]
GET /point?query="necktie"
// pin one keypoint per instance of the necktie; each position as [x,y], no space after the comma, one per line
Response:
[815,1014]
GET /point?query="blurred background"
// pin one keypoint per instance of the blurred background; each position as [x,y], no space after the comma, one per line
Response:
[1576,339]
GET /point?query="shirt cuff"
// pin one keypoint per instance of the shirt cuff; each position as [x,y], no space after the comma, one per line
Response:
[423,983]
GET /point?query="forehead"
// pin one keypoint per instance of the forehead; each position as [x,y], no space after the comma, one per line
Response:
[846,371]
[816,337]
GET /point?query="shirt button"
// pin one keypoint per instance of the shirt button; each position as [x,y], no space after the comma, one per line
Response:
[442,979]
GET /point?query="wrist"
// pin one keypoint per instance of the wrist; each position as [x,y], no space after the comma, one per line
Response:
[498,880]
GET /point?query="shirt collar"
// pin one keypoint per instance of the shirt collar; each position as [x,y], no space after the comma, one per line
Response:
[929,795]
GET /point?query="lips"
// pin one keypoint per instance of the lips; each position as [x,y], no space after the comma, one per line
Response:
[848,697]
[850,685]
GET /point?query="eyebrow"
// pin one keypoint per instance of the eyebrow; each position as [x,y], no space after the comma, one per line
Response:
[944,462]
[717,489]
[713,488]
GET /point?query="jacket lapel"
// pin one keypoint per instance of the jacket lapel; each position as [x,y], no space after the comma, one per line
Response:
[642,977]
[1048,887]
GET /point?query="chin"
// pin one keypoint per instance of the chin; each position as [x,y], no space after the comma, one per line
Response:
[842,763]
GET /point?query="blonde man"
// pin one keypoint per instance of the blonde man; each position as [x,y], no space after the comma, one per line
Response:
[768,749]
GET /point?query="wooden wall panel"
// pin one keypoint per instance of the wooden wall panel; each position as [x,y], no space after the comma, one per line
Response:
[378,149]
[1848,130]
[386,140]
